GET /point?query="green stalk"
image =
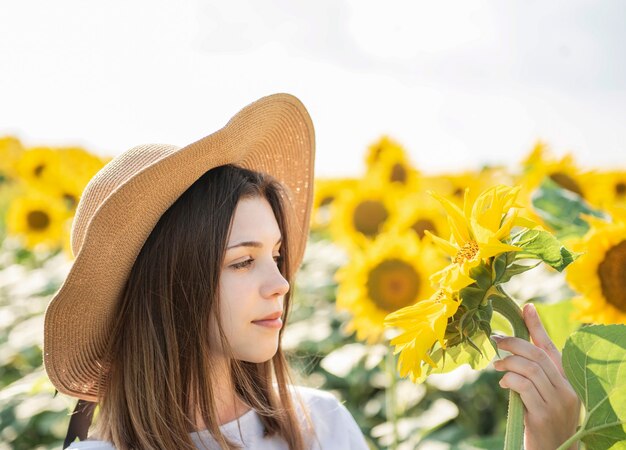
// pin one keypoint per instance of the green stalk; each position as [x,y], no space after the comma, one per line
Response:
[514,437]
[390,398]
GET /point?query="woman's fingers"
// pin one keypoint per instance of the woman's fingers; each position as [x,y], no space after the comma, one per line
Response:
[525,388]
[529,370]
[540,337]
[533,354]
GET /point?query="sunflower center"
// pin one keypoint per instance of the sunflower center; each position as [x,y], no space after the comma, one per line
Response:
[466,253]
[398,173]
[620,189]
[458,192]
[327,200]
[369,216]
[377,152]
[393,284]
[37,220]
[70,201]
[423,225]
[38,170]
[612,273]
[566,182]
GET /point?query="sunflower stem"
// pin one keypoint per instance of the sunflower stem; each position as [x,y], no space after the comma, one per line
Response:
[390,398]
[514,437]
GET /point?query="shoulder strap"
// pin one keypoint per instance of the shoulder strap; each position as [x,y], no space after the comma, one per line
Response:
[79,422]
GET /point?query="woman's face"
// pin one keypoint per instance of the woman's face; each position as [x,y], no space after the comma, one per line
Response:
[251,287]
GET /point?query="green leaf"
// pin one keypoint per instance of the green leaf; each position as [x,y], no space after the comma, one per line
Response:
[538,244]
[561,209]
[557,320]
[460,354]
[515,269]
[594,359]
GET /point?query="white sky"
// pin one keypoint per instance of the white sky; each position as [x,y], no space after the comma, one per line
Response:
[458,83]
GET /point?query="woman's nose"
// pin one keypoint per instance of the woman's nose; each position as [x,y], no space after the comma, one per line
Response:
[276,285]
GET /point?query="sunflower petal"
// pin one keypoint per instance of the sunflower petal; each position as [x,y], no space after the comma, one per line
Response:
[459,224]
[494,247]
[446,246]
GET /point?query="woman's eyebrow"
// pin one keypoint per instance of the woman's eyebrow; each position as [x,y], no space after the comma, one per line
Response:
[255,244]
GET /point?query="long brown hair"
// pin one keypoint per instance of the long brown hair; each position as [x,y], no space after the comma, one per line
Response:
[159,359]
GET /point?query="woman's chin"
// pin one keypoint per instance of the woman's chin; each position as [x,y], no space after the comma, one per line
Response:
[258,355]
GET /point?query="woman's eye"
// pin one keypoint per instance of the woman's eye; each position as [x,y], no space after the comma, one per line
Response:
[242,264]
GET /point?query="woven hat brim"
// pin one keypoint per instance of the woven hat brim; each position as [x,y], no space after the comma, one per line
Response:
[273,135]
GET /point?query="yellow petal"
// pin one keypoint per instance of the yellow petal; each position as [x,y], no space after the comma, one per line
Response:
[443,244]
[458,222]
[494,247]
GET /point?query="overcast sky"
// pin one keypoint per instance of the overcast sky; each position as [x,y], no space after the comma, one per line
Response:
[459,84]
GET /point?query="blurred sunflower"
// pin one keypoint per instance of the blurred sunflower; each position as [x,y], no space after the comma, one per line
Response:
[394,170]
[600,274]
[608,189]
[391,273]
[76,167]
[477,231]
[326,190]
[454,186]
[564,172]
[420,213]
[422,325]
[10,152]
[38,219]
[39,168]
[62,173]
[362,213]
[385,148]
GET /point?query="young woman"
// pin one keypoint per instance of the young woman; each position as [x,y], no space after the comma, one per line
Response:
[172,314]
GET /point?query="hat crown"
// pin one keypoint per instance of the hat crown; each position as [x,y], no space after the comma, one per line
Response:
[107,180]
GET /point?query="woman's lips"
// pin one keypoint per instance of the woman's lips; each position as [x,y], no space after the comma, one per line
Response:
[269,323]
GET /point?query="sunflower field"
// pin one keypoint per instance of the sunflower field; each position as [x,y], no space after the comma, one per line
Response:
[399,293]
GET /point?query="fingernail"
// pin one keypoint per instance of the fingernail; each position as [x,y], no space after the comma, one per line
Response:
[496,338]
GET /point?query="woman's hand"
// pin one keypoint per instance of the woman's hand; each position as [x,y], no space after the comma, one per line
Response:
[552,408]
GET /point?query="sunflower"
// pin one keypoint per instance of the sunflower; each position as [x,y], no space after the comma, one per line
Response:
[608,189]
[39,167]
[385,148]
[540,164]
[393,169]
[391,273]
[10,152]
[38,219]
[422,325]
[454,186]
[360,214]
[326,190]
[59,172]
[419,213]
[600,274]
[76,168]
[477,232]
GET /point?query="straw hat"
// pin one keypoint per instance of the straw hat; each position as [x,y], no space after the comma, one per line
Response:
[124,201]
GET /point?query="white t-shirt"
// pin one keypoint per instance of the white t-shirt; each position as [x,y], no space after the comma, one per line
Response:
[335,428]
